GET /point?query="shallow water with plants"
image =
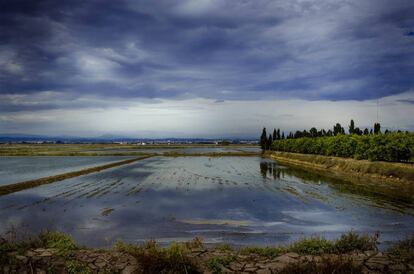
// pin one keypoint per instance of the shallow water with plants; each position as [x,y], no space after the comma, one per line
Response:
[238,200]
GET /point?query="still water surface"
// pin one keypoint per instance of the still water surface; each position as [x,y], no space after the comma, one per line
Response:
[14,169]
[239,200]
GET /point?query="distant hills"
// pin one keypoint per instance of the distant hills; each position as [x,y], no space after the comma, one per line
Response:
[19,138]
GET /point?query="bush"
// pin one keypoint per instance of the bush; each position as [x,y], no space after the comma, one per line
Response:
[62,242]
[312,246]
[216,263]
[270,252]
[404,250]
[392,147]
[75,267]
[352,241]
[153,259]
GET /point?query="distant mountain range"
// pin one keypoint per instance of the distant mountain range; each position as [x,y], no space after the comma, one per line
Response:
[15,138]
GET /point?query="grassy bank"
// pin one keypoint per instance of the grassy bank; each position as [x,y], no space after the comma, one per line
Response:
[348,168]
[6,189]
[54,252]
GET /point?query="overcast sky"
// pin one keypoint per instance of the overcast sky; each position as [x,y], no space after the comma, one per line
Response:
[204,68]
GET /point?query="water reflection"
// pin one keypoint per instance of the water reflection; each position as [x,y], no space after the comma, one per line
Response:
[241,200]
[392,196]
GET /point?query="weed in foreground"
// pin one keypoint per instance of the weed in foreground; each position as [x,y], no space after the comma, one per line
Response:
[153,259]
[312,246]
[403,250]
[75,267]
[270,252]
[353,241]
[215,263]
[62,242]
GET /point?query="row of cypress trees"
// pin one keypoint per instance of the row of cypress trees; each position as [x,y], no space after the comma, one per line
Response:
[266,141]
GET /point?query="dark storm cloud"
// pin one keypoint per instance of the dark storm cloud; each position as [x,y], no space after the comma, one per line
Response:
[247,50]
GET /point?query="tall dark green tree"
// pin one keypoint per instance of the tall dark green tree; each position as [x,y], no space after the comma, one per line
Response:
[274,137]
[366,132]
[263,139]
[313,132]
[269,142]
[377,128]
[352,127]
[278,134]
[283,135]
[338,129]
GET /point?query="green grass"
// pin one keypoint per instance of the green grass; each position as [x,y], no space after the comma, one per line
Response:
[353,241]
[348,167]
[62,242]
[215,263]
[153,259]
[75,267]
[312,246]
[223,247]
[404,250]
[270,252]
[348,242]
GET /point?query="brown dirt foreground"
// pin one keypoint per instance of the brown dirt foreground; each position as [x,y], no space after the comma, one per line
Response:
[48,260]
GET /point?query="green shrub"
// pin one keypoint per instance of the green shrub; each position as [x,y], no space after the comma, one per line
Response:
[75,267]
[312,246]
[270,252]
[224,247]
[392,147]
[404,250]
[153,259]
[352,241]
[216,263]
[62,242]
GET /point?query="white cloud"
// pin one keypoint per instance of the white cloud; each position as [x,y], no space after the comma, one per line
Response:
[208,118]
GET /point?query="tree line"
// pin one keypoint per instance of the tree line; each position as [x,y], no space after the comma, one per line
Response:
[265,141]
[360,144]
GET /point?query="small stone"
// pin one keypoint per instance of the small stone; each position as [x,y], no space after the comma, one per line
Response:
[21,258]
[398,268]
[276,265]
[286,259]
[6,269]
[30,253]
[100,263]
[292,255]
[377,263]
[236,266]
[264,271]
[46,254]
[121,265]
[40,271]
[92,266]
[370,253]
[130,269]
[39,250]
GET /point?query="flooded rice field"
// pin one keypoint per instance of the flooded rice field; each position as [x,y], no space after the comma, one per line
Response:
[239,200]
[17,169]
